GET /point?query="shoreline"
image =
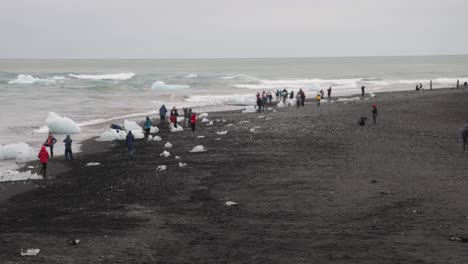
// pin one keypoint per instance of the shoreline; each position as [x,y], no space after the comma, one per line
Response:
[311,187]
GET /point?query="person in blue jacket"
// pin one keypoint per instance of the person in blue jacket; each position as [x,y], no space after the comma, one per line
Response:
[130,141]
[147,126]
[162,114]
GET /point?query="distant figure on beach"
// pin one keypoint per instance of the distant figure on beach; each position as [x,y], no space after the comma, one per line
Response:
[362,121]
[302,97]
[116,127]
[465,85]
[173,117]
[147,126]
[318,98]
[50,142]
[363,90]
[270,97]
[68,148]
[420,86]
[130,142]
[186,117]
[417,87]
[193,121]
[43,159]
[291,95]
[284,93]
[464,135]
[277,95]
[259,103]
[329,90]
[298,99]
[374,113]
[264,99]
[322,93]
[189,113]
[162,114]
[430,84]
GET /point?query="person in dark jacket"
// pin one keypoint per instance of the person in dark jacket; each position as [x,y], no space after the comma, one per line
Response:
[173,116]
[130,142]
[147,126]
[44,159]
[50,142]
[291,95]
[68,147]
[363,90]
[193,121]
[362,121]
[302,97]
[259,103]
[374,113]
[329,90]
[162,114]
[464,135]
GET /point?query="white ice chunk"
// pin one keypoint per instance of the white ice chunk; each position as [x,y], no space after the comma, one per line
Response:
[18,176]
[61,125]
[42,129]
[150,138]
[176,129]
[19,151]
[244,122]
[349,99]
[132,126]
[201,137]
[165,154]
[205,120]
[154,129]
[222,132]
[198,148]
[92,164]
[112,135]
[182,165]
[203,115]
[30,252]
[210,123]
[262,116]
[157,138]
[228,125]
[177,157]
[161,168]
[138,134]
[231,203]
[168,145]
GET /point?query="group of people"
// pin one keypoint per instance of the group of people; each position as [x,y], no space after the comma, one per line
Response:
[44,155]
[263,100]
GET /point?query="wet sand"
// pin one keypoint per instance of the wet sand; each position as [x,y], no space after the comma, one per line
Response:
[311,187]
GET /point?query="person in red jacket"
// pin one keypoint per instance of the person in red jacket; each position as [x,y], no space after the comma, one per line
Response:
[44,159]
[193,121]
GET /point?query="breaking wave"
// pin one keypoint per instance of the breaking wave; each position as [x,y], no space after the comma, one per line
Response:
[159,85]
[99,77]
[29,79]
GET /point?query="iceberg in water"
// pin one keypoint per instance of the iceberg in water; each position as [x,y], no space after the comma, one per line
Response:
[159,85]
[61,125]
[28,79]
[99,77]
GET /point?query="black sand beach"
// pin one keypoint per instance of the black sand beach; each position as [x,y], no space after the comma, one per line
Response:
[310,186]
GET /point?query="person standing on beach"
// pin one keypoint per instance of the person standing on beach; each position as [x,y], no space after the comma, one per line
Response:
[374,113]
[189,113]
[302,97]
[363,90]
[285,95]
[322,93]
[162,114]
[147,126]
[270,97]
[50,142]
[318,98]
[464,134]
[44,159]
[130,142]
[298,99]
[259,103]
[193,121]
[430,84]
[68,147]
[458,83]
[173,117]
[291,95]
[329,90]
[186,117]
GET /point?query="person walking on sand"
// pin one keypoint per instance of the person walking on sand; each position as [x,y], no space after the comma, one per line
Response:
[464,134]
[173,117]
[318,98]
[162,114]
[363,90]
[193,121]
[147,126]
[43,159]
[322,93]
[68,148]
[302,97]
[50,142]
[329,90]
[130,142]
[374,113]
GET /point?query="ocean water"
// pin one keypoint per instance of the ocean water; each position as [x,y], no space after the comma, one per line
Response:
[95,93]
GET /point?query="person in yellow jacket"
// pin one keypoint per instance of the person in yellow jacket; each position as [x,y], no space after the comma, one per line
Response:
[318,98]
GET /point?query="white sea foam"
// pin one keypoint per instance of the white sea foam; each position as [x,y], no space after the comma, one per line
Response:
[99,77]
[159,85]
[28,79]
[61,125]
[191,75]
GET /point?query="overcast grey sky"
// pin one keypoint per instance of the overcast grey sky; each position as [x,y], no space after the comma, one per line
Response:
[231,28]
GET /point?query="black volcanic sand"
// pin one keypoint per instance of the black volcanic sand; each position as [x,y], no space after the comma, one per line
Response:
[311,187]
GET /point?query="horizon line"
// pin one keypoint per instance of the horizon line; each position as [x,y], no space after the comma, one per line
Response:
[224,58]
